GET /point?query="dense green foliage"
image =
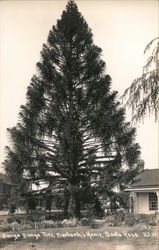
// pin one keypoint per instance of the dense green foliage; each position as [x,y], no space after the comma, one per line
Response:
[72,131]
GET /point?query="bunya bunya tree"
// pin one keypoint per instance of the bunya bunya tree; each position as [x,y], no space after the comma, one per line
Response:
[72,132]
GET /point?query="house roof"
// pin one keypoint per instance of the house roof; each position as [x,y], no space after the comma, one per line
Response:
[149,178]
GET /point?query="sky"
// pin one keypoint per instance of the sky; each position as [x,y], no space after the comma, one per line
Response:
[122,28]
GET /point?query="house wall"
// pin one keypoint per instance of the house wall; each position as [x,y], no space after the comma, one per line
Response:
[141,204]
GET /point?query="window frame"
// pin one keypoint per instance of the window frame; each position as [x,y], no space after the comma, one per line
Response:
[153,201]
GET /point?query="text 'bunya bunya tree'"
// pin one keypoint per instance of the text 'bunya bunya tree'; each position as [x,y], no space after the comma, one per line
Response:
[72,131]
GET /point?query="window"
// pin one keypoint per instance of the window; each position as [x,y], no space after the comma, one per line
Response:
[153,201]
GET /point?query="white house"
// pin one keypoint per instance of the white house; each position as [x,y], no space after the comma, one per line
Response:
[144,193]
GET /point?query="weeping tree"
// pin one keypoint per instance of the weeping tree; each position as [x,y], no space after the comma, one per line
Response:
[72,131]
[143,94]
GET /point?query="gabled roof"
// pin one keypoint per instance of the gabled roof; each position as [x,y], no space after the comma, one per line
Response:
[149,178]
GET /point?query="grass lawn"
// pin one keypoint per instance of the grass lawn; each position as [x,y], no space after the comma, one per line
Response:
[83,238]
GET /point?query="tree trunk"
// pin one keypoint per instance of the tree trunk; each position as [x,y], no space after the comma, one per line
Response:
[71,207]
[66,204]
[77,207]
[73,203]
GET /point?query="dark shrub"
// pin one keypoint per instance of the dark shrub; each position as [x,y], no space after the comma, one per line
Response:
[94,224]
[56,216]
[19,218]
[149,219]
[116,218]
[12,208]
[97,223]
[32,202]
[10,218]
[130,219]
[85,221]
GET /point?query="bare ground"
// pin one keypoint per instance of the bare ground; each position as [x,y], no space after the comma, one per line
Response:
[83,238]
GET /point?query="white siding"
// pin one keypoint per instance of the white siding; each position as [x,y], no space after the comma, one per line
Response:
[141,205]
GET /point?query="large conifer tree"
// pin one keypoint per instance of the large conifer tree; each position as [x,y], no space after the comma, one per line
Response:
[72,131]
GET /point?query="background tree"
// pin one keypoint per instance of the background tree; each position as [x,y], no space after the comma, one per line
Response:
[5,191]
[15,173]
[143,94]
[72,131]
